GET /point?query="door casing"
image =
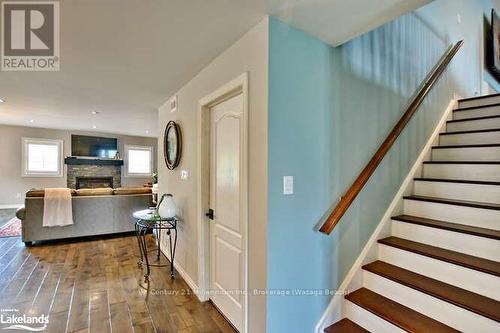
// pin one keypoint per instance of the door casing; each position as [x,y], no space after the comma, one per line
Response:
[235,87]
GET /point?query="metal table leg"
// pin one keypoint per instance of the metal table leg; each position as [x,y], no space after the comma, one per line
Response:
[138,236]
[172,249]
[158,239]
[143,233]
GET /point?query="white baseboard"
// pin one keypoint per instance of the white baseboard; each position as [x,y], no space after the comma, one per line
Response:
[11,206]
[190,282]
[353,280]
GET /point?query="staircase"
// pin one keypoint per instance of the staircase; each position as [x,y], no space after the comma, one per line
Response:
[439,271]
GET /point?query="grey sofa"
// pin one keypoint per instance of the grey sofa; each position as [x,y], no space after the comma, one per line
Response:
[92,215]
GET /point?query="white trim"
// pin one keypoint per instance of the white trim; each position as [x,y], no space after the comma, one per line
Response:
[187,278]
[353,280]
[11,206]
[237,86]
[127,148]
[24,163]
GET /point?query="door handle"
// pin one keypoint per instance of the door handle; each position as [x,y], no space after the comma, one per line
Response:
[210,214]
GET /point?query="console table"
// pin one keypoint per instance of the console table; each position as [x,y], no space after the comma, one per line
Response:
[149,220]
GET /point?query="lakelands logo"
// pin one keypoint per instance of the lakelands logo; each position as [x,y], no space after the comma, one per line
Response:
[30,36]
[16,321]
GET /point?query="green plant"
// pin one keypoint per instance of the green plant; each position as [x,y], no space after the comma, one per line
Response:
[155,177]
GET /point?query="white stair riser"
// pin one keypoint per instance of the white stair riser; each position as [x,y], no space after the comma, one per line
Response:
[455,241]
[470,138]
[435,308]
[462,277]
[466,154]
[474,113]
[479,102]
[458,191]
[368,320]
[486,172]
[485,218]
[472,125]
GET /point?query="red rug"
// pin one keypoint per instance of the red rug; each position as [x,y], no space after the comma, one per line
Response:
[11,228]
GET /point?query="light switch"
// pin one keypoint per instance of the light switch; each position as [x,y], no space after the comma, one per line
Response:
[184,174]
[287,185]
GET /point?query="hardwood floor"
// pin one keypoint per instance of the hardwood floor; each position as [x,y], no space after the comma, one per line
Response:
[93,286]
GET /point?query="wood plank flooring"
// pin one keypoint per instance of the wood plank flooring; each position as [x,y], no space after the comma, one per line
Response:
[93,286]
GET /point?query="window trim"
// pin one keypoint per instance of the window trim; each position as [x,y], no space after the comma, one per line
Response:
[26,173]
[138,175]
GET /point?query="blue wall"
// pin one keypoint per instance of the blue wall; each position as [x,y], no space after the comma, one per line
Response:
[329,109]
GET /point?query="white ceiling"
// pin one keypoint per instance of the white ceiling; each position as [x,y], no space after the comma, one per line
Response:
[124,58]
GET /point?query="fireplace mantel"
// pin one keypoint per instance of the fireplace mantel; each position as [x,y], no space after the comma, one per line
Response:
[91,161]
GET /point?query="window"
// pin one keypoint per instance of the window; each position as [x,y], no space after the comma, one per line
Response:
[139,161]
[42,158]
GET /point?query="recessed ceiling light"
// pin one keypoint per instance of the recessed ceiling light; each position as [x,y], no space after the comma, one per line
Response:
[94,126]
[95,112]
[32,120]
[2,100]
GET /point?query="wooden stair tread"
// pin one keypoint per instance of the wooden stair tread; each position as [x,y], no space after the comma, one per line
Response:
[476,107]
[465,203]
[462,228]
[462,162]
[395,313]
[478,97]
[479,145]
[453,257]
[460,181]
[468,300]
[345,326]
[471,131]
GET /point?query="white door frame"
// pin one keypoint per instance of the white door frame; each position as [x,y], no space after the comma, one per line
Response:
[235,87]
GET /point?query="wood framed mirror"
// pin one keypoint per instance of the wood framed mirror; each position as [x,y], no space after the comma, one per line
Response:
[172,145]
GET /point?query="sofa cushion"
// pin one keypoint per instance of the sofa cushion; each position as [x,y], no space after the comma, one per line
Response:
[94,191]
[40,193]
[21,213]
[132,190]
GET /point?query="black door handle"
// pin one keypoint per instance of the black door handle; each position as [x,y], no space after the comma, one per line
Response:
[210,214]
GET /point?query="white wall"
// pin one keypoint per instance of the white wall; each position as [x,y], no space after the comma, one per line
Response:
[13,186]
[249,54]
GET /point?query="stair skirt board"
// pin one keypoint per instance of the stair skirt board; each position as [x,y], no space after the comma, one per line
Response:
[479,101]
[466,278]
[454,241]
[458,191]
[479,217]
[483,137]
[368,320]
[472,124]
[447,313]
[467,113]
[466,154]
[482,172]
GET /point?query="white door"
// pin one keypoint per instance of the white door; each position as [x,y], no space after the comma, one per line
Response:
[226,229]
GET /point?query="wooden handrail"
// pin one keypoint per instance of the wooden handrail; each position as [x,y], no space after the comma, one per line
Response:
[356,187]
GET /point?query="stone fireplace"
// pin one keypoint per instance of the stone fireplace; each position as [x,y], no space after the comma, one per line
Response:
[92,176]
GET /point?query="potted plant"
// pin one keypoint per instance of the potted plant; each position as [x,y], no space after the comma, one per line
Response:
[154,180]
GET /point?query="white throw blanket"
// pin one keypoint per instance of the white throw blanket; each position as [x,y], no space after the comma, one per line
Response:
[57,208]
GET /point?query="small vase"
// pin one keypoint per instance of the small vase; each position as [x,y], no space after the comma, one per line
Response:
[166,207]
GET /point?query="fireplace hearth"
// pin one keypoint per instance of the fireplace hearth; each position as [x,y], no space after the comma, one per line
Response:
[94,182]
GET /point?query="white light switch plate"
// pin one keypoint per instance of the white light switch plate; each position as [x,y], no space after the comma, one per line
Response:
[287,185]
[184,174]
